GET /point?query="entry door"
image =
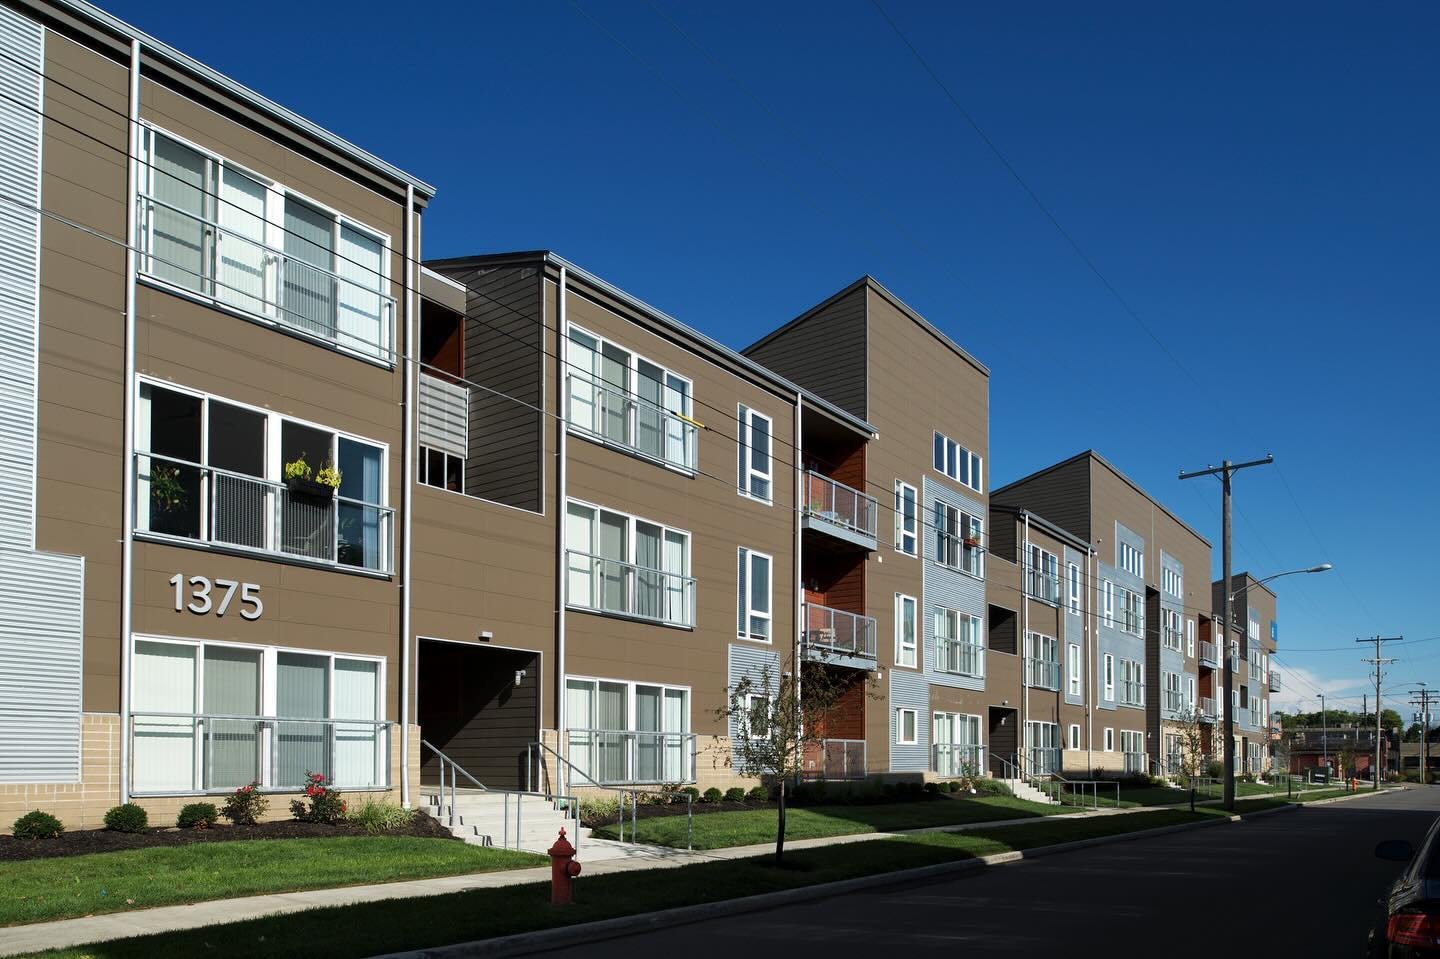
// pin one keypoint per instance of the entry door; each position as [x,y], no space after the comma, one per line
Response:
[1003,739]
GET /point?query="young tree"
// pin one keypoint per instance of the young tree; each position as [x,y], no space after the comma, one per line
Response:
[1192,748]
[774,715]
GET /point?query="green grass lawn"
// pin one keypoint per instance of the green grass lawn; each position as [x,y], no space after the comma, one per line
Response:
[370,928]
[36,890]
[720,830]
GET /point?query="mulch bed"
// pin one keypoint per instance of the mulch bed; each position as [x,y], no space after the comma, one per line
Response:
[85,841]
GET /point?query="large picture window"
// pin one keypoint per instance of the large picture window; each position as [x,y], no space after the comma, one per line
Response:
[617,563]
[210,717]
[214,229]
[629,732]
[210,470]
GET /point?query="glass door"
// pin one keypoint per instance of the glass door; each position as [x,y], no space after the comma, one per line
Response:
[170,488]
[583,358]
[241,509]
[361,541]
[240,242]
[309,289]
[649,581]
[675,562]
[676,399]
[580,714]
[649,417]
[302,691]
[360,322]
[307,514]
[676,722]
[165,747]
[581,580]
[232,688]
[359,759]
[612,546]
[179,249]
[611,715]
[616,401]
[648,750]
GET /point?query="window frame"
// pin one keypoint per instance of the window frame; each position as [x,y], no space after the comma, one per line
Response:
[946,459]
[900,713]
[1109,739]
[1108,677]
[902,536]
[746,588]
[1074,736]
[750,700]
[1073,581]
[746,473]
[914,643]
[1073,687]
[629,560]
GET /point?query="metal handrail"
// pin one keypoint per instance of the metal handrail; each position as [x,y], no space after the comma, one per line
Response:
[839,630]
[956,759]
[846,746]
[834,502]
[1042,673]
[635,583]
[1274,680]
[1132,693]
[952,654]
[537,750]
[631,741]
[1209,654]
[265,738]
[1172,638]
[1042,585]
[636,417]
[270,294]
[268,516]
[457,770]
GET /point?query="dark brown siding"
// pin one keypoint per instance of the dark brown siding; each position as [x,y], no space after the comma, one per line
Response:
[825,353]
[476,713]
[1061,495]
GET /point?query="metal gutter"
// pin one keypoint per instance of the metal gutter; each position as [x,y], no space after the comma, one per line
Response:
[243,93]
[407,495]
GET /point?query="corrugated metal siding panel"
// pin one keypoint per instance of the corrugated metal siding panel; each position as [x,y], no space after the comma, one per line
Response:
[910,691]
[21,59]
[41,648]
[944,587]
[750,661]
[444,415]
[826,354]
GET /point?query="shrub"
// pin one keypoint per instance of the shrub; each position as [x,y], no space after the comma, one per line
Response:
[1215,769]
[986,786]
[126,818]
[692,792]
[38,825]
[758,794]
[322,802]
[711,795]
[953,786]
[932,789]
[599,809]
[246,805]
[377,816]
[735,794]
[197,815]
[914,790]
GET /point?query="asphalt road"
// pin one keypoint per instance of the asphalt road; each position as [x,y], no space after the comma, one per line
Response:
[1303,881]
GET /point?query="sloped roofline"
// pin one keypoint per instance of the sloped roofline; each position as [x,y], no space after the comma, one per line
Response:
[869,282]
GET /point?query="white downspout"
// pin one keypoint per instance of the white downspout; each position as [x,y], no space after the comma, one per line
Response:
[127,485]
[562,774]
[1085,591]
[797,649]
[1024,642]
[407,432]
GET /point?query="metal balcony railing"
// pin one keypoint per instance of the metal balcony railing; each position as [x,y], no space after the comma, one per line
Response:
[834,759]
[960,657]
[1042,761]
[444,415]
[1172,638]
[1274,680]
[1209,655]
[626,420]
[182,499]
[1132,693]
[612,586]
[1042,673]
[346,309]
[1256,672]
[839,631]
[953,760]
[1208,713]
[1255,719]
[1135,763]
[629,756]
[1042,585]
[1173,701]
[839,505]
[217,753]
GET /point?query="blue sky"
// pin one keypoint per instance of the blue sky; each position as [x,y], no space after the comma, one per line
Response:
[1258,182]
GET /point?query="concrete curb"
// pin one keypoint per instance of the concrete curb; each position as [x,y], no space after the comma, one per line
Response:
[589,932]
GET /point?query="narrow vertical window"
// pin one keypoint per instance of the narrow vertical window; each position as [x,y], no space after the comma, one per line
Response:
[905,631]
[907,519]
[754,454]
[753,607]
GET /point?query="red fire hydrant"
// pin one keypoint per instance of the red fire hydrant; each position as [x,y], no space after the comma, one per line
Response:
[563,870]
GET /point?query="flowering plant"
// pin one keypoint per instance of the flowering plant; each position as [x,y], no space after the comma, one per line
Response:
[324,802]
[246,805]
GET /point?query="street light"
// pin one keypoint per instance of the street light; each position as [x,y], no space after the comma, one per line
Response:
[1322,568]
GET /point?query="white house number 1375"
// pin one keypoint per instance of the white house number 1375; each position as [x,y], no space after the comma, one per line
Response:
[217,596]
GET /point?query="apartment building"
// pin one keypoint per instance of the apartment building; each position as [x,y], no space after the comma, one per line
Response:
[1150,607]
[202,420]
[1252,642]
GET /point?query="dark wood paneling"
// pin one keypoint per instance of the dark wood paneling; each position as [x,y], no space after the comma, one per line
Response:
[825,353]
[1061,495]
[1003,737]
[1003,630]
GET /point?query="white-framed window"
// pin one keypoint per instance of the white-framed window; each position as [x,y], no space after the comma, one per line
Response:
[1073,578]
[620,398]
[622,564]
[1172,634]
[955,461]
[440,469]
[754,592]
[1132,560]
[1132,683]
[906,629]
[1173,700]
[1172,582]
[907,519]
[216,230]
[1190,638]
[1107,602]
[906,732]
[1132,611]
[1109,739]
[209,469]
[1254,633]
[1073,665]
[1109,676]
[956,743]
[753,452]
[959,539]
[1042,661]
[958,645]
[1074,735]
[1132,741]
[1043,575]
[333,703]
[623,731]
[757,708]
[1189,692]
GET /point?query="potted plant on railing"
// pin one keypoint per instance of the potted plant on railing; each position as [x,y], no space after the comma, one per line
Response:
[166,490]
[304,482]
[972,539]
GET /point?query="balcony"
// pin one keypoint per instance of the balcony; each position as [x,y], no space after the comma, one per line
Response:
[602,585]
[223,265]
[832,507]
[609,757]
[625,420]
[1042,585]
[1132,693]
[444,415]
[1209,655]
[835,632]
[1172,638]
[1042,673]
[834,759]
[1208,712]
[1275,681]
[1172,702]
[1254,719]
[180,500]
[211,753]
[955,760]
[1042,761]
[959,657]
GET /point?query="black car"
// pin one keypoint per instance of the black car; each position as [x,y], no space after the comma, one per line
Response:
[1410,923]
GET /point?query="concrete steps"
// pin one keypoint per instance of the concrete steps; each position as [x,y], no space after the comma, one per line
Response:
[1023,790]
[490,819]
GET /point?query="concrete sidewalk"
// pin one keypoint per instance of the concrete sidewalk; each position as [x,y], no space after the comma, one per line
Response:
[604,857]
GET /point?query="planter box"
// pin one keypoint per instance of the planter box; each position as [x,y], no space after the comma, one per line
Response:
[309,489]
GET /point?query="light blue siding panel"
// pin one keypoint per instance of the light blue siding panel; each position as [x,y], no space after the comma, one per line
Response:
[747,661]
[945,587]
[911,691]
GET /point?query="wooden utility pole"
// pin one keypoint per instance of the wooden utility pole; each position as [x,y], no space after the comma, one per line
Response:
[1378,662]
